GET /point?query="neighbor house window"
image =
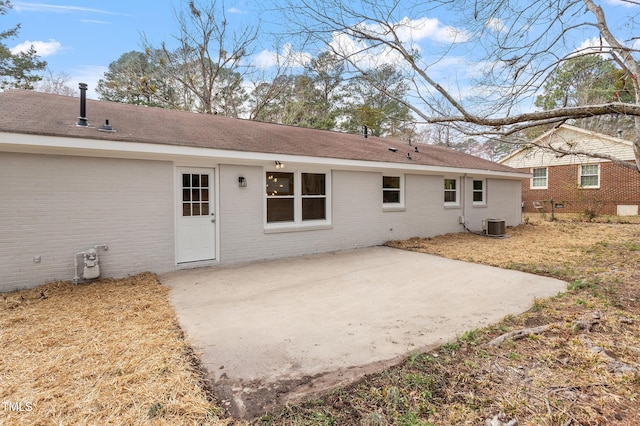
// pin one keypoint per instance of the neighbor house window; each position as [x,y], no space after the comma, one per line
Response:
[539,179]
[451,192]
[590,176]
[392,190]
[479,192]
[296,197]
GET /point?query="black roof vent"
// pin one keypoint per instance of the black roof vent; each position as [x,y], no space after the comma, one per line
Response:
[393,149]
[82,120]
[107,127]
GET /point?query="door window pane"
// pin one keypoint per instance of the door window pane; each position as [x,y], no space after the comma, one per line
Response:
[194,197]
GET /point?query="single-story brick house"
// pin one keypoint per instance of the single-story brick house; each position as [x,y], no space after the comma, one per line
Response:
[577,183]
[165,189]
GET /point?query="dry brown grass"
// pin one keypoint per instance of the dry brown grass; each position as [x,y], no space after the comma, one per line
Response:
[555,378]
[109,352]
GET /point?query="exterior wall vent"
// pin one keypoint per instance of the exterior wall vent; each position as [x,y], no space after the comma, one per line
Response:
[495,227]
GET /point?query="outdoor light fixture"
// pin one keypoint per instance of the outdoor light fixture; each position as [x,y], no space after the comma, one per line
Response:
[279,165]
[242,182]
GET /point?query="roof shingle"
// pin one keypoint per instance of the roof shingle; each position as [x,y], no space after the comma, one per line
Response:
[36,113]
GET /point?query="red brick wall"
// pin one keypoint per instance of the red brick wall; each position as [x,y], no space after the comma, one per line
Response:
[618,185]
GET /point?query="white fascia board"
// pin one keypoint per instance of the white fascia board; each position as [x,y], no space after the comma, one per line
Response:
[39,144]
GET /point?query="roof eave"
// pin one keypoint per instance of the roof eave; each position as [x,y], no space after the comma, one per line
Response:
[28,143]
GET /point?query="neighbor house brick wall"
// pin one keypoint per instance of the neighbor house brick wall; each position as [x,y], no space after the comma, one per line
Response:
[618,186]
[52,207]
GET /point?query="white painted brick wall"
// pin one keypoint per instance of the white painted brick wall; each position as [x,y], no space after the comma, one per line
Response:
[504,201]
[56,206]
[358,218]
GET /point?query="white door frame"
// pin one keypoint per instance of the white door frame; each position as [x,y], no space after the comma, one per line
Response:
[213,206]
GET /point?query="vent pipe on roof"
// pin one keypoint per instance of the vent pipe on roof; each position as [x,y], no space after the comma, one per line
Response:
[82,120]
[619,133]
[365,131]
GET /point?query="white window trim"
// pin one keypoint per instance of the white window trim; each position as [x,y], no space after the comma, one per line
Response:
[484,192]
[580,175]
[546,169]
[389,207]
[298,224]
[452,203]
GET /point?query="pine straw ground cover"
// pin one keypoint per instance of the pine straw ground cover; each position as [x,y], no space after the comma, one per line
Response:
[109,352]
[582,368]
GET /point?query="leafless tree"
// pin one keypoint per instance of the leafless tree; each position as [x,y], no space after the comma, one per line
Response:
[56,83]
[207,54]
[522,41]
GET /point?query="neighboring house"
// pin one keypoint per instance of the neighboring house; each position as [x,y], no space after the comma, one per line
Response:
[577,183]
[166,189]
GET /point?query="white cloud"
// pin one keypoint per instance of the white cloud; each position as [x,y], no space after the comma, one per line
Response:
[43,48]
[621,3]
[89,74]
[268,58]
[594,45]
[495,24]
[95,21]
[411,31]
[53,8]
[414,30]
[236,10]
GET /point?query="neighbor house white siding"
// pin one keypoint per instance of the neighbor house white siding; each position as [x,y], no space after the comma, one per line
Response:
[569,138]
[52,207]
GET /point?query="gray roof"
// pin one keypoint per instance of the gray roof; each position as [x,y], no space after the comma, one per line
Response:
[34,113]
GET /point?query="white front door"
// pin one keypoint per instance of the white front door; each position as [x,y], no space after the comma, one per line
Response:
[196,228]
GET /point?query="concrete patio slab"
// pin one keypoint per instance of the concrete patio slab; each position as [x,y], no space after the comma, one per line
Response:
[270,332]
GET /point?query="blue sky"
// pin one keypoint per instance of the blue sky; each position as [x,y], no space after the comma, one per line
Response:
[81,38]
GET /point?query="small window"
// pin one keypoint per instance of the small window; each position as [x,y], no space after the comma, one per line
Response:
[479,192]
[391,190]
[280,197]
[590,176]
[314,196]
[539,179]
[451,191]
